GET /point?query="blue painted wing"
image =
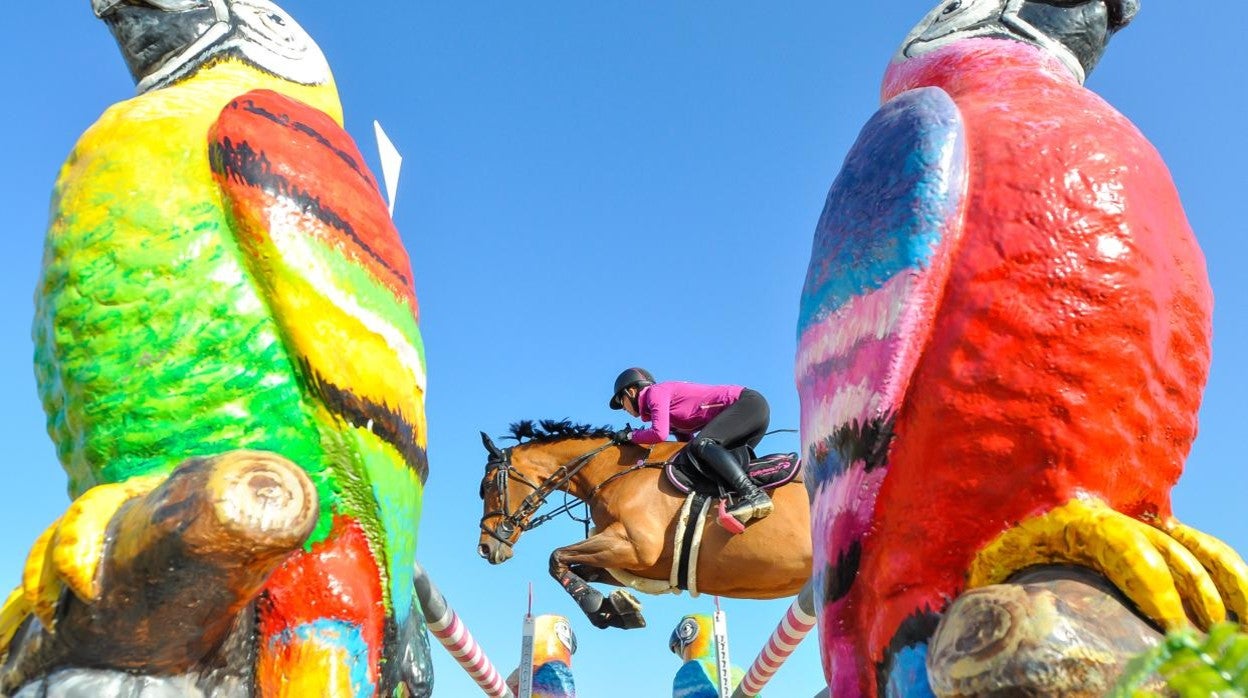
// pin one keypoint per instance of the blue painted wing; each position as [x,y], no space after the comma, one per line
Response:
[695,679]
[880,261]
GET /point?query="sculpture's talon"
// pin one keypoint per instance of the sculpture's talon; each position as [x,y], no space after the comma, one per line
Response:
[16,609]
[1227,568]
[1155,571]
[41,588]
[79,545]
[68,553]
[1193,581]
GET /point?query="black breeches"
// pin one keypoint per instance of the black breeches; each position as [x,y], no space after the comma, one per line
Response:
[743,423]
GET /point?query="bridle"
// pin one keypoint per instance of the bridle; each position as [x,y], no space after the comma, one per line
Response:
[499,473]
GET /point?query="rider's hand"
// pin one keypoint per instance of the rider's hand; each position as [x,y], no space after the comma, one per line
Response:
[623,436]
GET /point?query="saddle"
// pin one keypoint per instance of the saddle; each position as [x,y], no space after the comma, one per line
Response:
[768,472]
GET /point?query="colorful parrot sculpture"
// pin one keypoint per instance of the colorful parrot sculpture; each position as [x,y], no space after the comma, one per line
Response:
[221,273]
[693,640]
[1003,339]
[554,643]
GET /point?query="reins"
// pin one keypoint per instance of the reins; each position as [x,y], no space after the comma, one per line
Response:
[522,519]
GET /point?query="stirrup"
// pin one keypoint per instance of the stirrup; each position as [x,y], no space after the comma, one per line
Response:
[728,521]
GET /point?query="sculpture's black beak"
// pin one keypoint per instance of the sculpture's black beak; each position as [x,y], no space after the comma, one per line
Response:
[150,33]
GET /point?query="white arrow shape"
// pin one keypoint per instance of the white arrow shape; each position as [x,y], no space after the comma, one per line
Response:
[391,163]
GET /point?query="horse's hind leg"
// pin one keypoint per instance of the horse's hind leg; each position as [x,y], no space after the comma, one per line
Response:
[606,549]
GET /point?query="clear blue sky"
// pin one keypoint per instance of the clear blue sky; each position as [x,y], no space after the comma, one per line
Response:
[593,185]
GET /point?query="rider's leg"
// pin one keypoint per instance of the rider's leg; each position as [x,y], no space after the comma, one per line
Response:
[751,502]
[743,423]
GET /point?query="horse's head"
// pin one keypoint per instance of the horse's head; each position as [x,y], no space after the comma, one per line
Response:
[548,457]
[500,527]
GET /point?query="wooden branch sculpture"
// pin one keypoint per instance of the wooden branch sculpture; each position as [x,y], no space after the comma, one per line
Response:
[181,564]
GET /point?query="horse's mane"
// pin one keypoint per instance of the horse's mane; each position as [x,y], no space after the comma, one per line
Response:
[546,430]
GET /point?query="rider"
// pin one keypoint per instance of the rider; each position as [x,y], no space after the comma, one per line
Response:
[714,418]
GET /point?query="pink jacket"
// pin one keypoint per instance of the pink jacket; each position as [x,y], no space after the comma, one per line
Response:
[681,408]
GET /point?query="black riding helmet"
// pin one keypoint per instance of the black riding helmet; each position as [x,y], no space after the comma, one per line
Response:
[627,379]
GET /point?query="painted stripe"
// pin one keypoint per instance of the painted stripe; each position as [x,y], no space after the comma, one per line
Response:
[270,142]
[383,422]
[864,318]
[242,162]
[887,211]
[296,251]
[248,104]
[799,619]
[440,624]
[783,641]
[470,656]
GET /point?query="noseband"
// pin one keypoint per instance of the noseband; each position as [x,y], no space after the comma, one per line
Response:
[512,523]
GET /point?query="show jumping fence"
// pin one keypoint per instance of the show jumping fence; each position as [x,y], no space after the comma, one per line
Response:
[445,625]
[797,623]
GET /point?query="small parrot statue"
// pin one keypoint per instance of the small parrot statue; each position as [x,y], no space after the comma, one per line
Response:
[693,640]
[554,643]
[1003,340]
[221,273]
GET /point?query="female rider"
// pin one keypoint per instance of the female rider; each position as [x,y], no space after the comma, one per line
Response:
[715,419]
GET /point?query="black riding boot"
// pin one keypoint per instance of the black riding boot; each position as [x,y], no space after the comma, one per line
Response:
[752,502]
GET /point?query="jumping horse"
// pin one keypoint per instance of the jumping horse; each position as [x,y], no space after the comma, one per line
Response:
[635,511]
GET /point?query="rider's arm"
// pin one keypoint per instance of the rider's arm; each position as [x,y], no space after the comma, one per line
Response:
[659,401]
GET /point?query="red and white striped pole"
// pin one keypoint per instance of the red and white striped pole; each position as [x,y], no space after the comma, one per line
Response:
[445,625]
[798,621]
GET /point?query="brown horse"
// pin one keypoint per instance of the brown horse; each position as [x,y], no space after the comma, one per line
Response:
[634,510]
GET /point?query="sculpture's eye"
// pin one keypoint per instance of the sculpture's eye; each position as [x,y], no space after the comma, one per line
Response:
[952,7]
[274,22]
[687,631]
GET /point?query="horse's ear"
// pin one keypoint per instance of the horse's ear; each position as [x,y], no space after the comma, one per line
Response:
[489,445]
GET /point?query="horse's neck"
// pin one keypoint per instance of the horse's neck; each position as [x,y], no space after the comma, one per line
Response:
[541,461]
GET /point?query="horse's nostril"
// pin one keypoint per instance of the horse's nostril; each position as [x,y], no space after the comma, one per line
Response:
[484,551]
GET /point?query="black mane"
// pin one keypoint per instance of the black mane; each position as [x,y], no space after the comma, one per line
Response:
[546,430]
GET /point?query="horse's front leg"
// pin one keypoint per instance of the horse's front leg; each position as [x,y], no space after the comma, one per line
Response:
[595,575]
[610,548]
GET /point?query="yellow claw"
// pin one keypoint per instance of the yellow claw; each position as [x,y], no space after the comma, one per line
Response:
[1229,572]
[16,609]
[1193,581]
[68,552]
[40,586]
[1090,534]
[83,530]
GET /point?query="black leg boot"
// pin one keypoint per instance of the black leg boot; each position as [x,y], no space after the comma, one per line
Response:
[752,502]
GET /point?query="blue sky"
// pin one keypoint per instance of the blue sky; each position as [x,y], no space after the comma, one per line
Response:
[589,186]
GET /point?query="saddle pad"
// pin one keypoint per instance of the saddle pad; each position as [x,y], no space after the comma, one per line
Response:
[768,472]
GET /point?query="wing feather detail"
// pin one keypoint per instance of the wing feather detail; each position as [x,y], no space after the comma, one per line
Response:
[318,237]
[879,265]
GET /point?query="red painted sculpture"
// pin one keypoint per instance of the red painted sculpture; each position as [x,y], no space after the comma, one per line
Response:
[1004,338]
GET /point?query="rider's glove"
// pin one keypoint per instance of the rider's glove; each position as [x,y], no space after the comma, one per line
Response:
[623,436]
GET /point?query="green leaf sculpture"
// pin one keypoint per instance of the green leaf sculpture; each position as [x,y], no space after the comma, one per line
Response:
[1192,665]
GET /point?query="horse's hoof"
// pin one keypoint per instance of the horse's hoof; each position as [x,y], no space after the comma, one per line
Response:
[625,611]
[600,620]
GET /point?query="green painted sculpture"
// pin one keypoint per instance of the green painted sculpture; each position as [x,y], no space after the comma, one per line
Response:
[228,353]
